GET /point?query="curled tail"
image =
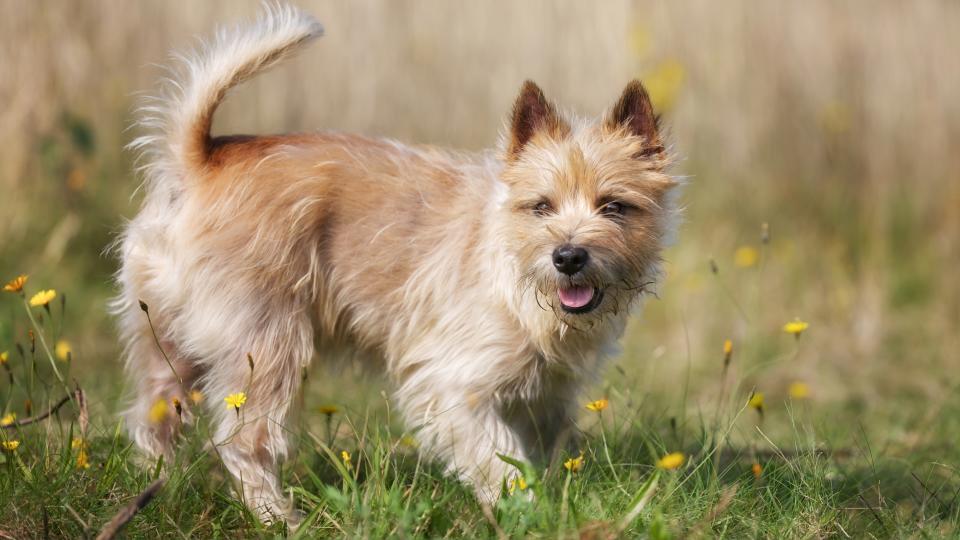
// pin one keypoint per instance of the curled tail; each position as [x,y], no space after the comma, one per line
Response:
[178,121]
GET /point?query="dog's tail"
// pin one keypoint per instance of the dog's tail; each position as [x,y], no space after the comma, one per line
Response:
[178,121]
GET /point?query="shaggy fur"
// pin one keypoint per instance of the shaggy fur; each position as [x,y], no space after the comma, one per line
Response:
[439,263]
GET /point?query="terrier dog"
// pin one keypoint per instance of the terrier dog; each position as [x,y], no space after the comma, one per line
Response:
[492,285]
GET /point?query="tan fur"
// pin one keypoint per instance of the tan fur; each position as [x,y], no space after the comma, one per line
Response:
[437,262]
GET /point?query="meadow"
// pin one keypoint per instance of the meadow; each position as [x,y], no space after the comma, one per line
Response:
[795,376]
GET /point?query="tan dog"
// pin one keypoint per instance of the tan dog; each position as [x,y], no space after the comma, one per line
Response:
[493,285]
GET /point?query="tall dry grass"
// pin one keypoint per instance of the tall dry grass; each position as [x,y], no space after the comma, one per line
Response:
[836,123]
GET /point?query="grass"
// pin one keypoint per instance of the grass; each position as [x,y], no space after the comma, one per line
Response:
[755,465]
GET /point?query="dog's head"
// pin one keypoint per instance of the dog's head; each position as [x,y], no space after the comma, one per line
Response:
[589,205]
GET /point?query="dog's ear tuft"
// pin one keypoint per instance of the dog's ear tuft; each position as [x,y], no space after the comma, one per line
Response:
[634,111]
[532,114]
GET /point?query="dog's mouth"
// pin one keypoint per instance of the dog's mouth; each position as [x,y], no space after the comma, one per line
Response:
[579,298]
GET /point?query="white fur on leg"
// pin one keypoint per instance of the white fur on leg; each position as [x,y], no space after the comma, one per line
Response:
[253,441]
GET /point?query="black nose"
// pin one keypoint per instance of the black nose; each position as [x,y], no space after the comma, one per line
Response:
[570,259]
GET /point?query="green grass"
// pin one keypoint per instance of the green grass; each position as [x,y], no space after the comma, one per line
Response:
[817,477]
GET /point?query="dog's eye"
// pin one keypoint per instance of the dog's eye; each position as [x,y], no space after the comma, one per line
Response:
[542,208]
[613,209]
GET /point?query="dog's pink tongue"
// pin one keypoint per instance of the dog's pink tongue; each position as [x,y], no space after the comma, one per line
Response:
[575,297]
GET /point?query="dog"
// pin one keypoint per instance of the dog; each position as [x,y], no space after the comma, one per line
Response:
[491,285]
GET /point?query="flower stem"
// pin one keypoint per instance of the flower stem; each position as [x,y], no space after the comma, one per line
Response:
[43,343]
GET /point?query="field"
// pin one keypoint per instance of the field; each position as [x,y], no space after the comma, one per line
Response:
[818,144]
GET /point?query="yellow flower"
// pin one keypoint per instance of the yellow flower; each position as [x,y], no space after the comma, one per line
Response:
[329,409]
[196,396]
[746,256]
[159,411]
[640,40]
[77,442]
[236,400]
[598,405]
[835,117]
[795,327]
[345,456]
[409,441]
[671,461]
[574,464]
[757,470]
[43,298]
[8,419]
[16,284]
[10,446]
[63,350]
[756,401]
[799,390]
[518,483]
[83,462]
[4,357]
[663,84]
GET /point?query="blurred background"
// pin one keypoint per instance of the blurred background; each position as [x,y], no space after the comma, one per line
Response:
[836,124]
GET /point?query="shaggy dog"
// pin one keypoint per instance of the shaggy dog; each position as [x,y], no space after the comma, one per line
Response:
[492,285]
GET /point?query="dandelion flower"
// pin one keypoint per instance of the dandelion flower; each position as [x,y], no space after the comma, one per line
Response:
[640,40]
[236,400]
[63,350]
[756,401]
[746,256]
[664,82]
[409,441]
[77,442]
[671,461]
[757,470]
[159,411]
[795,327]
[574,464]
[799,390]
[196,396]
[10,446]
[518,483]
[8,419]
[345,456]
[727,352]
[43,298]
[598,405]
[16,284]
[4,357]
[835,117]
[83,461]
[329,409]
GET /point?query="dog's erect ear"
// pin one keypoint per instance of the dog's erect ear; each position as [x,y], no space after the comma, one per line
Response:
[532,113]
[635,113]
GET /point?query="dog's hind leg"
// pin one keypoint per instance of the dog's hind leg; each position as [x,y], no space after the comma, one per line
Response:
[252,439]
[161,376]
[151,419]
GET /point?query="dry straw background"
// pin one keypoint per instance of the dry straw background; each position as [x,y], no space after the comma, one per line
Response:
[836,123]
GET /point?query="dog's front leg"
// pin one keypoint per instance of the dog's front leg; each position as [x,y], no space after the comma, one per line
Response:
[467,431]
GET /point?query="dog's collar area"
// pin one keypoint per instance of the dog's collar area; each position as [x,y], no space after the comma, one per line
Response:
[588,307]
